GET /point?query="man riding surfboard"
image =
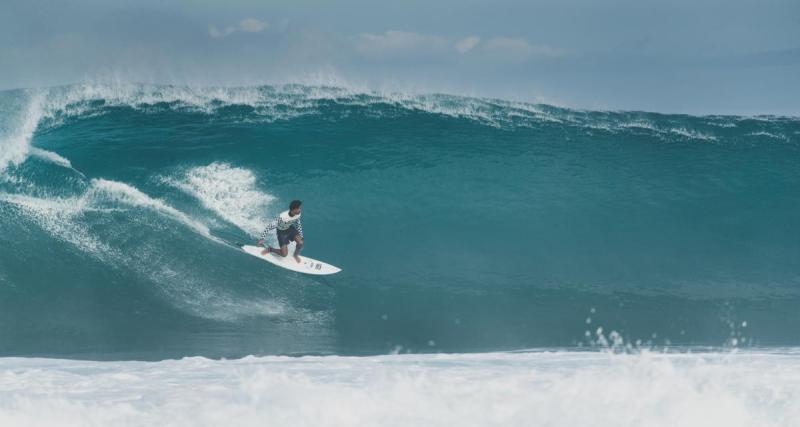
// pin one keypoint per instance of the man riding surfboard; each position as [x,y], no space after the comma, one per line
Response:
[288,228]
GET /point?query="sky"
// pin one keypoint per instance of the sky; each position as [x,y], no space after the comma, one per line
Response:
[678,56]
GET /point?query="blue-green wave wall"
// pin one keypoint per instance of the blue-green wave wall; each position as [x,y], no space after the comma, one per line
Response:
[461,224]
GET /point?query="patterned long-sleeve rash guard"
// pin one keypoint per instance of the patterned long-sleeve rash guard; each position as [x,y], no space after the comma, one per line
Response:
[283,222]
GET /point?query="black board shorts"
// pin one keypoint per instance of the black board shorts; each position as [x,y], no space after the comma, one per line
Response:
[286,236]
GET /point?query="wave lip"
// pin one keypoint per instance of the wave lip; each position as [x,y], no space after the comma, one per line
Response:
[277,102]
[15,147]
[52,107]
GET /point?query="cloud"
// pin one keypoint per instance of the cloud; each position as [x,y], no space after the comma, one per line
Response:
[518,48]
[466,44]
[247,25]
[393,43]
[251,25]
[216,33]
[408,45]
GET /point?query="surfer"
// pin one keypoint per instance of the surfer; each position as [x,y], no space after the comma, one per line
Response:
[288,228]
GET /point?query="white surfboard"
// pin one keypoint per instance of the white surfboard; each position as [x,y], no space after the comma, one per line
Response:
[307,266]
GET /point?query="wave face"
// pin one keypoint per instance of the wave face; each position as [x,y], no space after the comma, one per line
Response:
[461,224]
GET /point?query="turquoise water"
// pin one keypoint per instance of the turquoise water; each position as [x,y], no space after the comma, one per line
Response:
[461,224]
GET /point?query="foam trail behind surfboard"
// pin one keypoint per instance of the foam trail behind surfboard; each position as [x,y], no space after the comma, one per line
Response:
[228,191]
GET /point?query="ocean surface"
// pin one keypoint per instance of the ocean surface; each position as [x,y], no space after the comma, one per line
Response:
[562,253]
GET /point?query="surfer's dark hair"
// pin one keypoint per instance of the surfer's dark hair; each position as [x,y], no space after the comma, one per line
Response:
[295,204]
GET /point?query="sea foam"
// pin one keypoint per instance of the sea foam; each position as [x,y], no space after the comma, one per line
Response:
[552,388]
[64,218]
[119,192]
[228,191]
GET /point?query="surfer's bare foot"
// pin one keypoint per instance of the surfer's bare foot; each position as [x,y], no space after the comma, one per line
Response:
[266,250]
[297,258]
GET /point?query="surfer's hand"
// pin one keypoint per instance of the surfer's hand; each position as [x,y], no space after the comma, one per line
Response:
[260,242]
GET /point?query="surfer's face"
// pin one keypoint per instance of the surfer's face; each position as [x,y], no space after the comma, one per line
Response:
[296,210]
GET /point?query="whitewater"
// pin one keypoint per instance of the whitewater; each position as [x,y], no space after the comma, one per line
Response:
[542,388]
[504,263]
